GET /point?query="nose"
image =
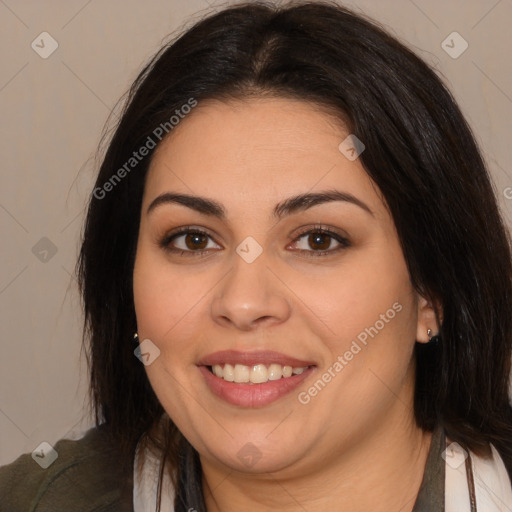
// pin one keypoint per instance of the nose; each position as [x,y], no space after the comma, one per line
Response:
[250,296]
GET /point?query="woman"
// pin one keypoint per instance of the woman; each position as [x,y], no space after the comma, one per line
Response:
[295,224]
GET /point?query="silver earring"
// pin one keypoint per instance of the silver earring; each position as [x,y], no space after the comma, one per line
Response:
[136,337]
[432,339]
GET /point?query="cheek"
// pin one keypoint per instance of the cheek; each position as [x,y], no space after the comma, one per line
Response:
[170,307]
[154,306]
[369,291]
[159,295]
[165,315]
[370,309]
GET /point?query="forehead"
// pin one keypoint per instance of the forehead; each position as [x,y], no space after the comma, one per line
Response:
[254,150]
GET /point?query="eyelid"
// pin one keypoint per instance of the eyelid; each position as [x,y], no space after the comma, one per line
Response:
[166,239]
[342,240]
[317,228]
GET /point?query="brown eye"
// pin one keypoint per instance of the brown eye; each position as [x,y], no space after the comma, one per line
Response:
[319,241]
[189,242]
[196,241]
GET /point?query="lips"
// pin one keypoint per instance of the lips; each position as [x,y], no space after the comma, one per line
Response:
[266,357]
[253,395]
[249,394]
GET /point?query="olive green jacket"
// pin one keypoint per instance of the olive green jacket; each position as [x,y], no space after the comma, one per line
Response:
[85,477]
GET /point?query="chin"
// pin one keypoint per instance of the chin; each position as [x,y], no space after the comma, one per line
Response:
[254,458]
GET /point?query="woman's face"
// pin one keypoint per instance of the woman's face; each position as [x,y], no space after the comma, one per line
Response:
[263,278]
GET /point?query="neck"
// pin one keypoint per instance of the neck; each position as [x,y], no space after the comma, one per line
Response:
[381,472]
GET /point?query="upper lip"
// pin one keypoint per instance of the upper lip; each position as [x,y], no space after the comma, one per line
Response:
[252,358]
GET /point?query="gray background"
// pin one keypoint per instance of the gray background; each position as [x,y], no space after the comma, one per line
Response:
[53,111]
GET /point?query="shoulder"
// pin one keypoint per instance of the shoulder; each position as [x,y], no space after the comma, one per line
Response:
[486,475]
[84,477]
[492,483]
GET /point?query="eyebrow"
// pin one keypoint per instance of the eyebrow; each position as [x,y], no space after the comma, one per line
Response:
[287,207]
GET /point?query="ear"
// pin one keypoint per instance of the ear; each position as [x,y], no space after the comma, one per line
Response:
[427,320]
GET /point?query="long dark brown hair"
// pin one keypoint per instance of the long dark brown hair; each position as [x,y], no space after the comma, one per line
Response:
[419,151]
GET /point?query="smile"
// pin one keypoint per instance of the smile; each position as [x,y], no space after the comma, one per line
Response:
[250,394]
[255,374]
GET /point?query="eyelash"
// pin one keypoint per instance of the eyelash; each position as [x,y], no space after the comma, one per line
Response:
[318,229]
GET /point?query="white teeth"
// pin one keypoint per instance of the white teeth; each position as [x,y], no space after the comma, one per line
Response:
[226,374]
[275,372]
[241,373]
[256,374]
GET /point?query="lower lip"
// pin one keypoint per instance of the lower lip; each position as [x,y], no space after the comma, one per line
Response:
[253,395]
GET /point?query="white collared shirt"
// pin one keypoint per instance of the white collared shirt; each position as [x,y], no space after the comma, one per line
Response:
[145,490]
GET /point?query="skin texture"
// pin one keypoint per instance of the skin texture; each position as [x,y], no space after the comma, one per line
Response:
[355,445]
